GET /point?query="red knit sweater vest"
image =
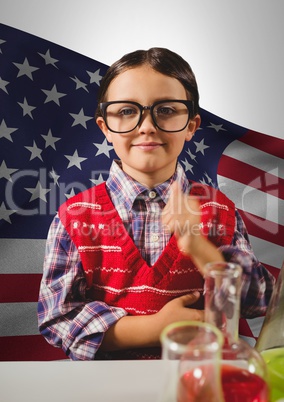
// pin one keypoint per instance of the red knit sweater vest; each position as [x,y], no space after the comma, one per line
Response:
[115,271]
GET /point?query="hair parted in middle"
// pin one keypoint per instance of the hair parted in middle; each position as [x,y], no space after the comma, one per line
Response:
[159,59]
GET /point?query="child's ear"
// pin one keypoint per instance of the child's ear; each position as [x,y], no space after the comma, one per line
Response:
[102,125]
[193,125]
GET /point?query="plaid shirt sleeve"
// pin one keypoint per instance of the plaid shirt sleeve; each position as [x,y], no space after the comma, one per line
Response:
[67,319]
[257,282]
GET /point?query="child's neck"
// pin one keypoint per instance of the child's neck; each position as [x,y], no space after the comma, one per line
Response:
[150,179]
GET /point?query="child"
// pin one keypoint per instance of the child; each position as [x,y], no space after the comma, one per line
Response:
[125,258]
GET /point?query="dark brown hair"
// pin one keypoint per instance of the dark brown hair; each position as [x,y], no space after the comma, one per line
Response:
[160,59]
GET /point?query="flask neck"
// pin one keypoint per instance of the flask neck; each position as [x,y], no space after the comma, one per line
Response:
[222,298]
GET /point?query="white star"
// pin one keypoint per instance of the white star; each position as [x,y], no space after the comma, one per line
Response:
[5,213]
[25,69]
[103,148]
[1,42]
[54,176]
[209,180]
[3,85]
[38,192]
[80,118]
[71,194]
[48,59]
[53,95]
[217,127]
[95,77]
[193,157]
[27,109]
[50,140]
[75,160]
[35,151]
[5,172]
[187,166]
[5,131]
[79,84]
[99,180]
[200,146]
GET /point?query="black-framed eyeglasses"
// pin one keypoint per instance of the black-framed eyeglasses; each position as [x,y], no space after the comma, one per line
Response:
[168,115]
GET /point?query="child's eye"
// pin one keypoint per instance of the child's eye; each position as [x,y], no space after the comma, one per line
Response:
[127,111]
[165,111]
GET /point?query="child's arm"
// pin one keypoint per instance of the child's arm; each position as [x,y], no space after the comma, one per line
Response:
[144,331]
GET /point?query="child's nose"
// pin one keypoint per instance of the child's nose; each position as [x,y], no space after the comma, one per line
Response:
[147,124]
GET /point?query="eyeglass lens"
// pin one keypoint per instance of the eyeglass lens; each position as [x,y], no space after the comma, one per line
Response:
[169,116]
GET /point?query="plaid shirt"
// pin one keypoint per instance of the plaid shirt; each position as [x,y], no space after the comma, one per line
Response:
[68,320]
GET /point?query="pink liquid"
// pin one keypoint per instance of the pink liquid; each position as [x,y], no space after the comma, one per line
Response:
[238,386]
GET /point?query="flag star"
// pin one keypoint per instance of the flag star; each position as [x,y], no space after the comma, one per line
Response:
[187,166]
[48,59]
[75,160]
[209,180]
[95,77]
[103,148]
[71,194]
[35,151]
[200,146]
[53,95]
[5,172]
[3,85]
[80,118]
[50,140]
[99,180]
[192,156]
[5,132]
[203,181]
[27,109]
[54,176]
[217,127]
[25,69]
[5,213]
[1,42]
[79,84]
[38,192]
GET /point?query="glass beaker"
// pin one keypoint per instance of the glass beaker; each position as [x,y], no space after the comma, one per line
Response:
[270,342]
[191,351]
[243,371]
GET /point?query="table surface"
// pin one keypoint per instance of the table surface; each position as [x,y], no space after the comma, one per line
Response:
[96,381]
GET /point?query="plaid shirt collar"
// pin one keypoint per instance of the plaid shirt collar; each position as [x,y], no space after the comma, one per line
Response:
[126,190]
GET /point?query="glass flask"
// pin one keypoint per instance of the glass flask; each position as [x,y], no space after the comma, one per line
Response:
[270,342]
[243,370]
[191,352]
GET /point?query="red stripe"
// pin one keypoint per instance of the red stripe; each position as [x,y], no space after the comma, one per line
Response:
[16,288]
[250,175]
[262,228]
[265,143]
[273,270]
[28,348]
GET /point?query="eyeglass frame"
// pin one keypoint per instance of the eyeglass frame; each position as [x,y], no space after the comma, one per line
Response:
[188,103]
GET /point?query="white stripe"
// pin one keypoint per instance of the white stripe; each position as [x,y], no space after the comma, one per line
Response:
[21,256]
[254,157]
[250,199]
[18,319]
[144,288]
[266,252]
[111,249]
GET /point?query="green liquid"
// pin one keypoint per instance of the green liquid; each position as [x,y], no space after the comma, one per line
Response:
[274,359]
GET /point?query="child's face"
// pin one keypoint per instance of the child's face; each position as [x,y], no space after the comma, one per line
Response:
[148,154]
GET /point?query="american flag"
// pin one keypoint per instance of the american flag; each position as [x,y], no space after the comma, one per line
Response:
[51,148]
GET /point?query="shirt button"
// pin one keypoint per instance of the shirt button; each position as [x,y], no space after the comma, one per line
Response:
[152,194]
[154,238]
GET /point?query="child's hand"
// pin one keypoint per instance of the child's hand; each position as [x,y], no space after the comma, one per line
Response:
[182,217]
[178,310]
